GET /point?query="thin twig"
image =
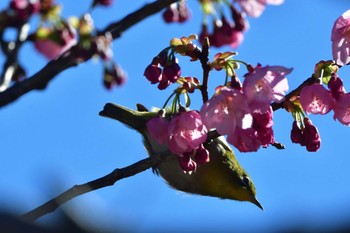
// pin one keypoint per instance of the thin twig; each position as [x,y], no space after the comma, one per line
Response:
[295,92]
[204,58]
[41,79]
[102,182]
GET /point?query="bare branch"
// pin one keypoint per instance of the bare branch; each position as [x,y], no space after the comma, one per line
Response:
[41,79]
[102,182]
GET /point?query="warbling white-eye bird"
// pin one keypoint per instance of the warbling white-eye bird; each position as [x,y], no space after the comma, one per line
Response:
[221,177]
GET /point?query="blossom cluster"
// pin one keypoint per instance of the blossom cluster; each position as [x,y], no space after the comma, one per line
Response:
[163,70]
[18,13]
[55,35]
[316,99]
[177,12]
[244,113]
[308,136]
[225,30]
[184,134]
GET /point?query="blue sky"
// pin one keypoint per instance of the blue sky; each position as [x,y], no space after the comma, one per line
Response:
[53,139]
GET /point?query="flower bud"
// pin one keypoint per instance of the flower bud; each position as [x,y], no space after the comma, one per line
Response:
[336,87]
[311,136]
[202,155]
[153,73]
[296,135]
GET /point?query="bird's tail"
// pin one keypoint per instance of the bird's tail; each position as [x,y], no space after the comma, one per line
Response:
[132,118]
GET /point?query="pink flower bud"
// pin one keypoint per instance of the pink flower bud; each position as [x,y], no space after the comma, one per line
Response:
[171,72]
[153,73]
[186,163]
[202,155]
[171,14]
[296,135]
[311,136]
[336,87]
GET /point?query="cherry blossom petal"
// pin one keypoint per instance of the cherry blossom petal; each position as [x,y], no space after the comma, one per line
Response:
[316,99]
[341,39]
[342,109]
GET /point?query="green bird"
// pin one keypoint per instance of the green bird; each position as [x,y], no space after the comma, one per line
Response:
[221,177]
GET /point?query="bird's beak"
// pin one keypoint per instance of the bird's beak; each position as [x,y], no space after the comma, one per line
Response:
[257,203]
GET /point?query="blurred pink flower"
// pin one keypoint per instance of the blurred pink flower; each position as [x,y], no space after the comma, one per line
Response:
[157,127]
[226,111]
[23,10]
[225,33]
[342,109]
[254,8]
[316,99]
[52,49]
[186,132]
[341,39]
[266,84]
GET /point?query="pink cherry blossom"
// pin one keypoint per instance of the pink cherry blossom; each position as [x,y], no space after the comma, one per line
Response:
[52,49]
[157,127]
[316,99]
[262,123]
[266,84]
[254,8]
[245,140]
[342,109]
[186,132]
[225,33]
[341,39]
[263,119]
[226,110]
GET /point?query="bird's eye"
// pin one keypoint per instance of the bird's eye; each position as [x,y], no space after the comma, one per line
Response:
[246,180]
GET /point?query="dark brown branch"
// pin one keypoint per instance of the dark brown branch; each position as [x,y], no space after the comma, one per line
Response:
[40,80]
[102,182]
[204,58]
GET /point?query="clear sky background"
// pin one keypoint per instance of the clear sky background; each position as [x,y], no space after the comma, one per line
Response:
[54,139]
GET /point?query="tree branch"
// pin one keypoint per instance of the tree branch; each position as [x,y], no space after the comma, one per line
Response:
[102,182]
[40,80]
[295,92]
